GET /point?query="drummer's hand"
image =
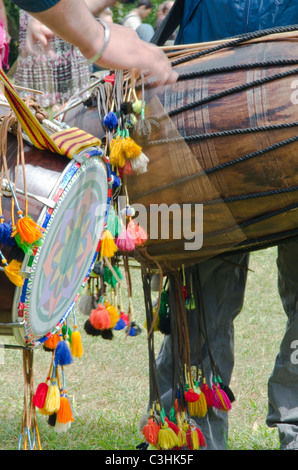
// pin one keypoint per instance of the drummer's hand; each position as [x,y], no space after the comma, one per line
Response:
[38,32]
[127,51]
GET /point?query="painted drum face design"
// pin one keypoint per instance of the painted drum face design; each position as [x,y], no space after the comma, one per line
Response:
[70,241]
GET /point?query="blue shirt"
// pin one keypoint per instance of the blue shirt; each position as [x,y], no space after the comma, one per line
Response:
[210,20]
[35,6]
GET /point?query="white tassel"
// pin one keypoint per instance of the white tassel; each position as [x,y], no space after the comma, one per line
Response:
[139,165]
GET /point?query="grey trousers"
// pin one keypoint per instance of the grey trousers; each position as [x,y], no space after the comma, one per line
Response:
[223,287]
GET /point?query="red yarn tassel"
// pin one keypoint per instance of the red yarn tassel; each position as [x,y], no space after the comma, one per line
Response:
[40,395]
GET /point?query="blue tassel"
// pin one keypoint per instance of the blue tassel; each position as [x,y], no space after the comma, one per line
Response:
[134,329]
[5,234]
[110,120]
[63,354]
[120,324]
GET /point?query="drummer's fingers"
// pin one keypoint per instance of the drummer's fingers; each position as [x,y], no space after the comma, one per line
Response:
[162,72]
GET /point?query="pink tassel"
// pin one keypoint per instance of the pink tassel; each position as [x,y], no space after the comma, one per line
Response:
[137,232]
[124,241]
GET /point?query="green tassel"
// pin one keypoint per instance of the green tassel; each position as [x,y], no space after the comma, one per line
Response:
[114,223]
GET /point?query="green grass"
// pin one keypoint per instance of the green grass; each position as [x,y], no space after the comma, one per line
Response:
[108,386]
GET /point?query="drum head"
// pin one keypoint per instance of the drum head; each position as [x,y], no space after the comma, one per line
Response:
[62,264]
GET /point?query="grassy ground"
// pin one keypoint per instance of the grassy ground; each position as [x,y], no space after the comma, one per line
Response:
[108,386]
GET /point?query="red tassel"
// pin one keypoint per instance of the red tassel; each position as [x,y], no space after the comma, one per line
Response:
[100,318]
[208,394]
[40,395]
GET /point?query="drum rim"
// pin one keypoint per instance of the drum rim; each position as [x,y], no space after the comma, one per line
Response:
[20,333]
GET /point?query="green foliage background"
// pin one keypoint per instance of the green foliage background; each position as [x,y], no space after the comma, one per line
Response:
[120,10]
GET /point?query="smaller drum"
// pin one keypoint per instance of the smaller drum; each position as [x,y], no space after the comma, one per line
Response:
[74,197]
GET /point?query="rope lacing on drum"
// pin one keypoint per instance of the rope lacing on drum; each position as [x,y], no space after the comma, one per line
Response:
[236,41]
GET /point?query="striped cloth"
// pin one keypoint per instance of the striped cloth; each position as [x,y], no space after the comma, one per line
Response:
[66,142]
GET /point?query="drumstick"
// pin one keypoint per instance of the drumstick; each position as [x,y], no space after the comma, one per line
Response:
[176,50]
[18,87]
[203,45]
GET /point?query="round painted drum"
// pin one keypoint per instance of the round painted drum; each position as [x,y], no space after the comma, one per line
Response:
[73,221]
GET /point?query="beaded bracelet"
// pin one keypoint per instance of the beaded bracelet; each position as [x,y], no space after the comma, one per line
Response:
[105,41]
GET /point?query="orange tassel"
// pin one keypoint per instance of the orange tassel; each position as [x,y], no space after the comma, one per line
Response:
[52,342]
[28,230]
[64,414]
[150,431]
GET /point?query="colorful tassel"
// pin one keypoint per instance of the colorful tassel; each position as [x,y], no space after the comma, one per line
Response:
[150,431]
[29,231]
[192,398]
[167,438]
[208,393]
[63,354]
[76,343]
[195,438]
[90,330]
[100,318]
[114,224]
[64,414]
[220,398]
[5,234]
[12,271]
[52,401]
[51,343]
[137,106]
[114,315]
[139,165]
[125,241]
[108,247]
[117,156]
[40,395]
[137,233]
[110,121]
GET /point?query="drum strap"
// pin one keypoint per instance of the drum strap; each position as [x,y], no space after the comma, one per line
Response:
[64,142]
[169,24]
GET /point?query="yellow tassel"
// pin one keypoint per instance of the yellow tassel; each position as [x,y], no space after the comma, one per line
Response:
[76,343]
[113,312]
[131,148]
[201,406]
[194,439]
[117,156]
[52,401]
[167,438]
[108,247]
[12,272]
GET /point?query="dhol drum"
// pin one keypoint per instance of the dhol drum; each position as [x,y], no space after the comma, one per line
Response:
[68,199]
[223,146]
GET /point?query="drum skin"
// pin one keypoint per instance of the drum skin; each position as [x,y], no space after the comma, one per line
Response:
[246,182]
[73,222]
